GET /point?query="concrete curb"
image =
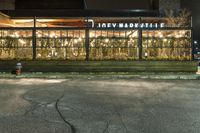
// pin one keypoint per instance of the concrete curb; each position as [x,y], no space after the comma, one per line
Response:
[102,76]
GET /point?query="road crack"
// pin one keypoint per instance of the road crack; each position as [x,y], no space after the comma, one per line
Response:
[106,128]
[72,128]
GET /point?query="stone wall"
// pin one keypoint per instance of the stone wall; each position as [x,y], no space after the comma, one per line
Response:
[169,5]
[7,4]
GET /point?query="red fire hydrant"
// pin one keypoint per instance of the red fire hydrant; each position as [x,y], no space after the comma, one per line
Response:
[18,68]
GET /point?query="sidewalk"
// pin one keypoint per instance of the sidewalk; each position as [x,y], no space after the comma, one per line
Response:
[172,76]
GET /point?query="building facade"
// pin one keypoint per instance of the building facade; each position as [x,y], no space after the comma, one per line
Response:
[7,4]
[71,31]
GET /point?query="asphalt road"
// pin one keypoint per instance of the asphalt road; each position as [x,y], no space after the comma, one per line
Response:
[99,106]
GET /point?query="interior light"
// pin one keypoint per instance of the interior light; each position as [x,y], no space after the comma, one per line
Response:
[165,40]
[92,35]
[80,39]
[39,55]
[22,41]
[46,20]
[107,40]
[170,35]
[22,20]
[39,35]
[159,33]
[146,54]
[178,36]
[17,36]
[2,40]
[161,36]
[183,32]
[52,35]
[12,35]
[75,41]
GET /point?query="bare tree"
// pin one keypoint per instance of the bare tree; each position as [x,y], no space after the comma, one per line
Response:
[183,19]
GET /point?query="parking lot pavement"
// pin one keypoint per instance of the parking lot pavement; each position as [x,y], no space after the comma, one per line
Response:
[99,106]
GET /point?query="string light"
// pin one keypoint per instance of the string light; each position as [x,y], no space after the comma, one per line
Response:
[159,33]
[22,41]
[183,32]
[170,35]
[178,36]
[161,36]
[12,35]
[75,41]
[107,40]
[2,40]
[149,41]
[165,40]
[80,39]
[16,35]
[39,55]
[39,35]
[52,35]
[92,35]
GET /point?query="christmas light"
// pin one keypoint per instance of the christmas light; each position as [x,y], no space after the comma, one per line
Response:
[80,39]
[165,40]
[107,40]
[75,41]
[22,41]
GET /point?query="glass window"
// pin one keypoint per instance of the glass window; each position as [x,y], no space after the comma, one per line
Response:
[167,44]
[61,44]
[15,44]
[113,45]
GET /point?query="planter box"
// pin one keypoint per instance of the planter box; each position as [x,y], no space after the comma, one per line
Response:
[101,66]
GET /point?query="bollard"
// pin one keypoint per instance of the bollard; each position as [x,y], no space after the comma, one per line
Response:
[18,68]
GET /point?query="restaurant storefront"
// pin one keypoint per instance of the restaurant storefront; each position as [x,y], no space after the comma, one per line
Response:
[94,38]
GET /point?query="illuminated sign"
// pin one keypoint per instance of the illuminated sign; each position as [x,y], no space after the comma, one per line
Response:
[130,25]
[92,24]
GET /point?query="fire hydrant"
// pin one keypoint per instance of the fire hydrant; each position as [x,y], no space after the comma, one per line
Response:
[18,68]
[198,72]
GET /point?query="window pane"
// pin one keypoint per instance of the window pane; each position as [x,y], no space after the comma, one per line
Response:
[15,44]
[61,44]
[113,45]
[167,45]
